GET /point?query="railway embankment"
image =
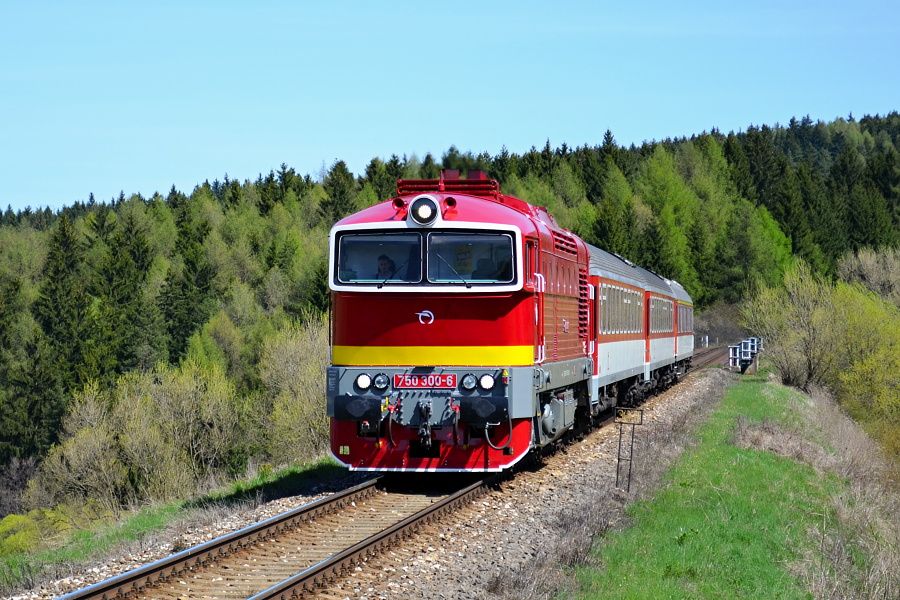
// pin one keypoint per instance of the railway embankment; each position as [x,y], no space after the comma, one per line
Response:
[781,496]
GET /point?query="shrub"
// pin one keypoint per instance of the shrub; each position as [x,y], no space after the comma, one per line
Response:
[799,325]
[18,533]
[292,371]
[839,335]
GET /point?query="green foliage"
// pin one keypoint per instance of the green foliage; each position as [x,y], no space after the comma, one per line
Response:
[838,335]
[614,227]
[292,364]
[666,248]
[18,533]
[62,303]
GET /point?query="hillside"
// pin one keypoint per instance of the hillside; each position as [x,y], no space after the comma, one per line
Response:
[128,327]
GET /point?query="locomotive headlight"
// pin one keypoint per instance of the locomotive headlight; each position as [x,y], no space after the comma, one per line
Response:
[469,382]
[363,381]
[381,381]
[424,210]
[486,381]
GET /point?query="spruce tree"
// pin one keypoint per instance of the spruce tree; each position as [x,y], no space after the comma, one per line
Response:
[340,189]
[187,297]
[430,168]
[62,301]
[32,404]
[614,227]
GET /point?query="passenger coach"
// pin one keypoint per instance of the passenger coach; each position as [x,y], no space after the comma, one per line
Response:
[468,328]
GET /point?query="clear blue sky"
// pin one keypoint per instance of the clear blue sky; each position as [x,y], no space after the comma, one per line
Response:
[138,96]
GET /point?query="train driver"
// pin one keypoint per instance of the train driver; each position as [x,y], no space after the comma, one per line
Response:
[386,267]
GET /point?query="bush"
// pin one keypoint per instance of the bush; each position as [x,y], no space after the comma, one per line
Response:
[877,270]
[292,370]
[799,325]
[18,533]
[839,335]
[167,434]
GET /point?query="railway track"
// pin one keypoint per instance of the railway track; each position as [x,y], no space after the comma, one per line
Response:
[292,553]
[705,357]
[296,551]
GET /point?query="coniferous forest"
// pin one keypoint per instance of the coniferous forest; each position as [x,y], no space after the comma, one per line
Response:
[151,347]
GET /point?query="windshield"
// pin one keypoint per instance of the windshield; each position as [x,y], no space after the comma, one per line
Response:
[470,258]
[382,258]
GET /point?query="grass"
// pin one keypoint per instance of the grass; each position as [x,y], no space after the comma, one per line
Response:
[55,557]
[728,523]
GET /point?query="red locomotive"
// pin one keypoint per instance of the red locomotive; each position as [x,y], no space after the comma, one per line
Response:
[469,328]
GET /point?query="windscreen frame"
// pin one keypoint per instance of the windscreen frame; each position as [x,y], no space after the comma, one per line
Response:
[374,281]
[424,286]
[468,281]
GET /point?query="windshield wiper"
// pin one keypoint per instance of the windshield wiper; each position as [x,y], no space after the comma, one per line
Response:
[461,278]
[392,275]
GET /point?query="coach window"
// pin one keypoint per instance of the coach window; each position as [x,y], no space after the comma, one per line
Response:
[609,309]
[607,306]
[604,315]
[628,325]
[640,316]
[610,303]
[618,293]
[636,312]
[611,295]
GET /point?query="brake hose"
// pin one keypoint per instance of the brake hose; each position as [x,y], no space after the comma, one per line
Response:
[487,436]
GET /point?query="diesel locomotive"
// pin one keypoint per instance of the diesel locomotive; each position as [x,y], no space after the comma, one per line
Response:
[469,329]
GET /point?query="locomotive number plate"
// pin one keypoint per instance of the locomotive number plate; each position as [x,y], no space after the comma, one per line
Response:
[431,381]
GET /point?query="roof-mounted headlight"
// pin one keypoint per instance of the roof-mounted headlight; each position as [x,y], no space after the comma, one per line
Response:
[424,210]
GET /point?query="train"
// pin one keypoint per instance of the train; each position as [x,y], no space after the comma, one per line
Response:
[468,330]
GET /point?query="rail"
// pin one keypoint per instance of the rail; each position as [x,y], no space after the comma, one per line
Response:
[136,579]
[311,577]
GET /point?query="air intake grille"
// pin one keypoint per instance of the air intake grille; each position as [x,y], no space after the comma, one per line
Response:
[564,243]
[472,187]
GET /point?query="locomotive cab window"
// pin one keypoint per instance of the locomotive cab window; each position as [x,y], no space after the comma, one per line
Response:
[470,258]
[384,258]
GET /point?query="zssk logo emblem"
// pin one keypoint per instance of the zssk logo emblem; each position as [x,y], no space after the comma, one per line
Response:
[426,317]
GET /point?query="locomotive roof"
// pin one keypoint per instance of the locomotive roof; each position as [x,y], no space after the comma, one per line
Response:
[478,199]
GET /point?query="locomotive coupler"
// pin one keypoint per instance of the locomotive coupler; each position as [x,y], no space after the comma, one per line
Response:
[425,426]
